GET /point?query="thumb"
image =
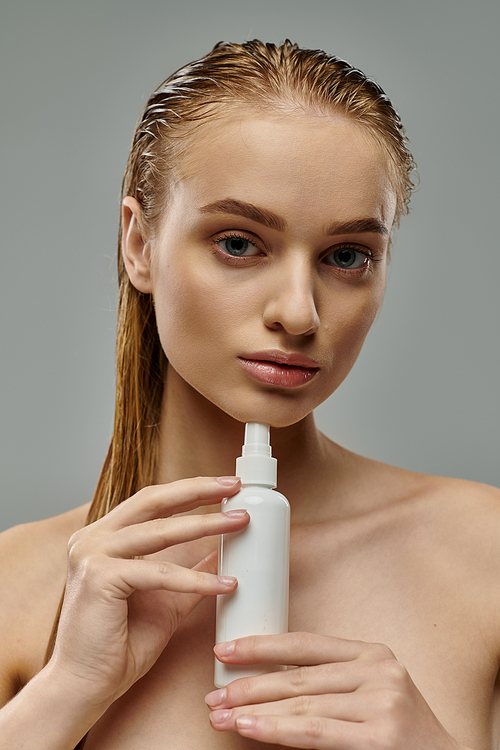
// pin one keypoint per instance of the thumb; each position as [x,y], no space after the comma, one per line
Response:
[209,564]
[185,603]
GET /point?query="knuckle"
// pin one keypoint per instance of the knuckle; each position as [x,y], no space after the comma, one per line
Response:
[196,488]
[94,565]
[77,547]
[394,673]
[200,578]
[251,644]
[169,573]
[76,536]
[298,678]
[157,526]
[152,497]
[207,521]
[314,729]
[88,572]
[164,568]
[390,702]
[199,486]
[200,481]
[143,494]
[300,705]
[381,651]
[248,647]
[201,582]
[244,689]
[301,641]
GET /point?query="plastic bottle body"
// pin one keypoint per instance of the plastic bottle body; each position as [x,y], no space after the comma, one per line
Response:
[259,557]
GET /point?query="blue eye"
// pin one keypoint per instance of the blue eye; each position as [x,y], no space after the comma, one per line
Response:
[237,246]
[346,257]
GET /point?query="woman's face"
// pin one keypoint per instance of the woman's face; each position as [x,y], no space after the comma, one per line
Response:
[269,265]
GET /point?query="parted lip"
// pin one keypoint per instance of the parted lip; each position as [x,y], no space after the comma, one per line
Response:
[292,359]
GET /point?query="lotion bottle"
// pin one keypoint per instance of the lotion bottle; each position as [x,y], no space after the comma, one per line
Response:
[258,555]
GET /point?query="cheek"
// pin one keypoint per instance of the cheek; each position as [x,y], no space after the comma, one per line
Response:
[191,313]
[349,324]
[368,310]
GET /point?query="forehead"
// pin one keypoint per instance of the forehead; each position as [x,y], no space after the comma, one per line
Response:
[299,165]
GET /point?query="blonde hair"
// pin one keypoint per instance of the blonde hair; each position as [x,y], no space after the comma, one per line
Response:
[282,78]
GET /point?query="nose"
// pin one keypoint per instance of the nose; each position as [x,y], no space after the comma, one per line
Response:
[291,304]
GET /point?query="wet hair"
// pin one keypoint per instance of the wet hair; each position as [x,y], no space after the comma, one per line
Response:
[267,77]
[283,79]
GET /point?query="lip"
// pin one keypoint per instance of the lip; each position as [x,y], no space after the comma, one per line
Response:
[278,368]
[294,359]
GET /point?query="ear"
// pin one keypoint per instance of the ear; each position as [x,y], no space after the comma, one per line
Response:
[136,250]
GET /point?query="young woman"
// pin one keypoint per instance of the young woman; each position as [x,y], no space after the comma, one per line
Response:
[258,203]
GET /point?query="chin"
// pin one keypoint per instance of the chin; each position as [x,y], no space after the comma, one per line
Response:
[275,410]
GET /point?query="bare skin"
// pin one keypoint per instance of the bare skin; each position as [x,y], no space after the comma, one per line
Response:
[414,572]
[394,617]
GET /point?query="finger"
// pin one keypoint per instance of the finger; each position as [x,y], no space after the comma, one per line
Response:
[316,732]
[336,677]
[160,533]
[290,649]
[341,706]
[161,500]
[122,577]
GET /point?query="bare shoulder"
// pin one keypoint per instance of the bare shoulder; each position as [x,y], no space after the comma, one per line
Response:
[456,528]
[32,577]
[458,512]
[449,530]
[452,524]
[464,518]
[471,509]
[376,485]
[32,553]
[479,502]
[441,497]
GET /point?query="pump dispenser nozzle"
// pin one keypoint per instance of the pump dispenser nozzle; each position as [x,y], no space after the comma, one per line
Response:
[256,464]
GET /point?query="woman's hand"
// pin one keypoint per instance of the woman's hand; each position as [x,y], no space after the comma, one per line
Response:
[339,694]
[119,612]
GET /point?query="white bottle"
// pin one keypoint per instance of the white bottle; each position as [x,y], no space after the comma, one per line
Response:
[258,555]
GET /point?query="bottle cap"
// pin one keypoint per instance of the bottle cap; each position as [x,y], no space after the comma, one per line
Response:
[256,464]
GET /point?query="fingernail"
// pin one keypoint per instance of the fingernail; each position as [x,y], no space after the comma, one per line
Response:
[225,649]
[219,716]
[228,580]
[239,513]
[228,481]
[245,722]
[216,697]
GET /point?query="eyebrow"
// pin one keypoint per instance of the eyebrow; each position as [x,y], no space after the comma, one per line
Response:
[273,221]
[359,226]
[248,210]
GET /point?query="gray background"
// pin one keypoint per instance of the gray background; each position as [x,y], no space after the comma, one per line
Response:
[74,76]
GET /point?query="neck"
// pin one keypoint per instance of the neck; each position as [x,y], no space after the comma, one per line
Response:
[197,438]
